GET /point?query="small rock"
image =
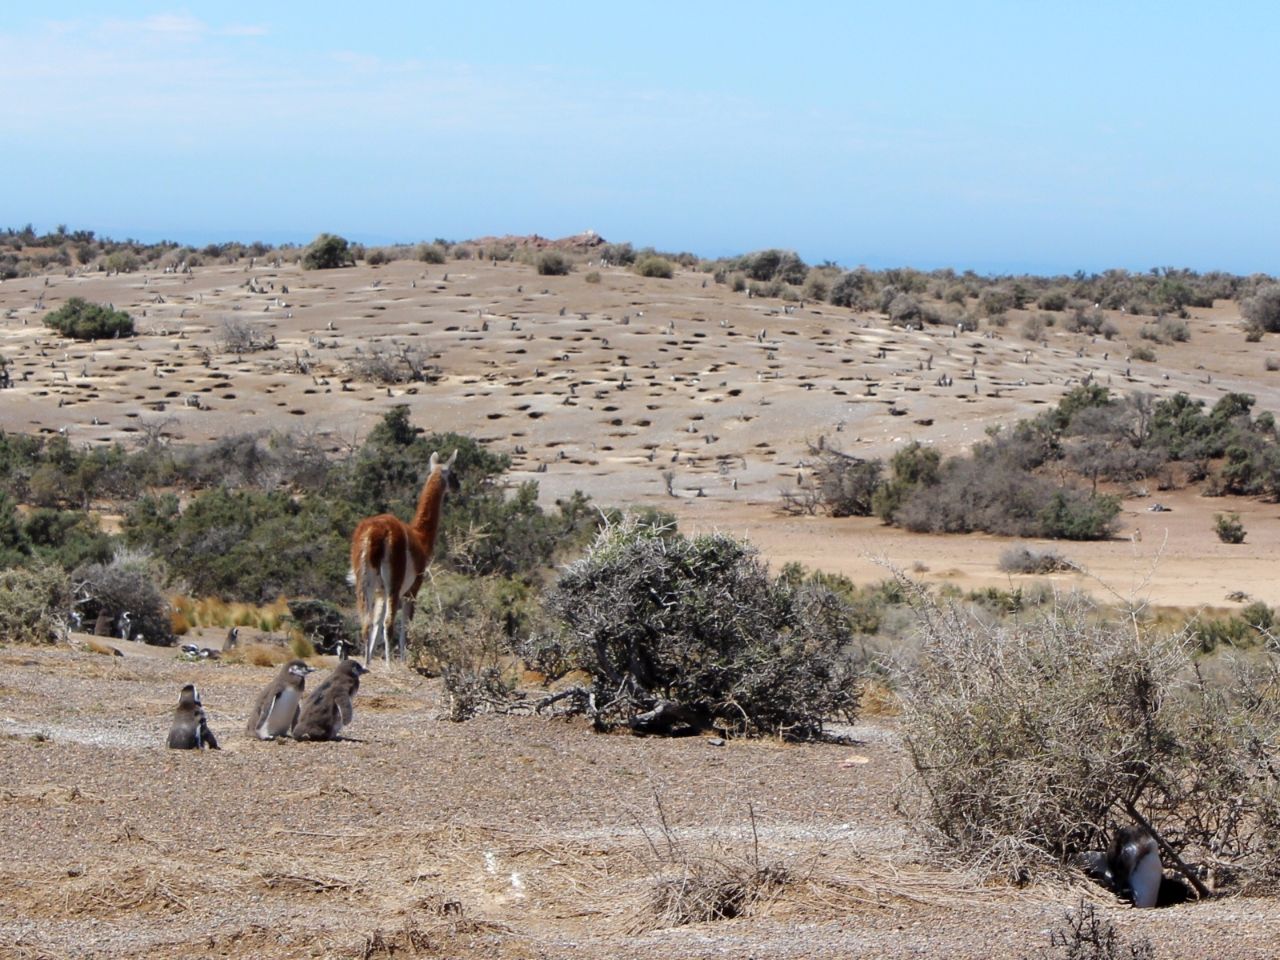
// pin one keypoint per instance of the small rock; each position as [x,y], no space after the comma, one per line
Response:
[716,741]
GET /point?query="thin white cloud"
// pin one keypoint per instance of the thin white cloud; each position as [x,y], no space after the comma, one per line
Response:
[244,30]
[173,24]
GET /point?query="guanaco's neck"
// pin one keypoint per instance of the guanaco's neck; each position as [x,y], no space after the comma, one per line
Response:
[427,519]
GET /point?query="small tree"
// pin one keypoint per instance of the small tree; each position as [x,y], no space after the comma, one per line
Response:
[1228,527]
[327,252]
[82,320]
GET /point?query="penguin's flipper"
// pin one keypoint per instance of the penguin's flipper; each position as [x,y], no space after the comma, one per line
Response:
[207,736]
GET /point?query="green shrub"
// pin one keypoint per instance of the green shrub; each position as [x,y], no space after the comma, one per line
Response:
[653,266]
[700,623]
[122,261]
[1143,353]
[851,290]
[1251,627]
[769,265]
[847,485]
[1076,515]
[81,320]
[1053,300]
[592,277]
[553,263]
[913,466]
[995,300]
[220,541]
[328,251]
[1228,527]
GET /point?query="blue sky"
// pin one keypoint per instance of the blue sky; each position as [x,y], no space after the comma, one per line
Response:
[994,136]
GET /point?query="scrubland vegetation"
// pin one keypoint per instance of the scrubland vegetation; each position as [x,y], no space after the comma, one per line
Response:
[1034,720]
[1040,477]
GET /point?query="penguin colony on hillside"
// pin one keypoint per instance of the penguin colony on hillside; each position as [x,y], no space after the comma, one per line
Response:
[280,709]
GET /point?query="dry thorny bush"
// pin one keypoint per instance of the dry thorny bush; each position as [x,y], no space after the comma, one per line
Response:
[1086,936]
[1031,738]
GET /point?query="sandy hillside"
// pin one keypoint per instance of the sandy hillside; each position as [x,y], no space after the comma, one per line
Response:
[606,387]
[522,836]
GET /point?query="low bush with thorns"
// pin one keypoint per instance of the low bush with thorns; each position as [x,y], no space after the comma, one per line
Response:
[1023,559]
[657,618]
[34,603]
[1032,738]
[1086,936]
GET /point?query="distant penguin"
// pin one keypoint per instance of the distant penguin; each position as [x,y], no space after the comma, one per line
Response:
[328,708]
[233,637]
[279,704]
[190,730]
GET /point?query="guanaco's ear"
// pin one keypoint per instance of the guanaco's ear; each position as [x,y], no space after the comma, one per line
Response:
[449,465]
[435,461]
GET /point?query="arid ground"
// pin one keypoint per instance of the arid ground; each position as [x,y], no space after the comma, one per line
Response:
[523,836]
[606,387]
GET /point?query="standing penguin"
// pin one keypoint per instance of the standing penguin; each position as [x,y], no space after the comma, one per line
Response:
[328,709]
[1130,867]
[190,730]
[1134,859]
[280,703]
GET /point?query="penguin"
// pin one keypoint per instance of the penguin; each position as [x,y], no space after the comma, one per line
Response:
[328,708]
[1131,868]
[278,706]
[232,638]
[1134,859]
[190,729]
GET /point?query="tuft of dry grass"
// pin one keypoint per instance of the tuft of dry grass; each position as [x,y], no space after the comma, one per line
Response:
[300,646]
[188,613]
[714,889]
[95,645]
[137,888]
[259,655]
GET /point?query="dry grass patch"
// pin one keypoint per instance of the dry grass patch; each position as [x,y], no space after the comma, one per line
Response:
[259,655]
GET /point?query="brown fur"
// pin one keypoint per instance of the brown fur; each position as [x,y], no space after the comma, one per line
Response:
[389,558]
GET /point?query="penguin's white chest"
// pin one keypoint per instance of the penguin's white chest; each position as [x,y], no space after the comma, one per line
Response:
[1145,880]
[280,716]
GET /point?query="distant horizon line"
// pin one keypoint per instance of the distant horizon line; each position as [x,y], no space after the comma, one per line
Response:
[985,268]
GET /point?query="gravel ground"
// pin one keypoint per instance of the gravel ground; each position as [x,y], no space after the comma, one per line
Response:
[508,836]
